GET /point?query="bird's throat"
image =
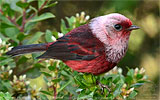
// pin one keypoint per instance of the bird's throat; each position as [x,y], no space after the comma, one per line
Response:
[116,51]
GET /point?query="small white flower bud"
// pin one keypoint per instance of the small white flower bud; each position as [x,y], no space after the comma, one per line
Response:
[21,78]
[8,68]
[2,68]
[24,77]
[14,78]
[119,70]
[47,61]
[124,85]
[18,88]
[131,89]
[34,98]
[0,41]
[124,97]
[82,14]
[60,35]
[142,70]
[136,70]
[53,38]
[10,72]
[77,14]
[87,17]
[10,48]
[24,89]
[40,89]
[27,82]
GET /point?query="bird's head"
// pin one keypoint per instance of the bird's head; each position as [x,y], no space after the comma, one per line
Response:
[112,27]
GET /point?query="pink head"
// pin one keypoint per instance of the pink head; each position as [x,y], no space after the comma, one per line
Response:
[113,30]
[112,27]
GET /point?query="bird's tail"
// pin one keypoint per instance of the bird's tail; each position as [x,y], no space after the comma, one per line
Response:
[23,49]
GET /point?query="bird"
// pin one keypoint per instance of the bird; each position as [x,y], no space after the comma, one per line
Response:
[95,47]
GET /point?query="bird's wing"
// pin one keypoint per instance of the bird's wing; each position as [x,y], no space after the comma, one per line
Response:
[79,44]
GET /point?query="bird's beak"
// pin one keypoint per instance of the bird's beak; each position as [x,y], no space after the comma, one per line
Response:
[133,27]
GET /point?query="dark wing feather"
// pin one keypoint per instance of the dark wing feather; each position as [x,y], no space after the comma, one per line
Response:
[79,44]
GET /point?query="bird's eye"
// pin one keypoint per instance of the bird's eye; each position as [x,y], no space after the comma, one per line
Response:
[118,27]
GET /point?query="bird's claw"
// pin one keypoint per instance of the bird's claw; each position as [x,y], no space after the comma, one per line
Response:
[103,86]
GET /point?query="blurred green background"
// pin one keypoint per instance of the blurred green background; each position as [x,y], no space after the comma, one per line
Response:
[144,43]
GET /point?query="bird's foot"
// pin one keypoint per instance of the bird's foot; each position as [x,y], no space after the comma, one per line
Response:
[102,86]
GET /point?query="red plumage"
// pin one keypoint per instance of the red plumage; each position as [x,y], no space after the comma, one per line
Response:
[93,48]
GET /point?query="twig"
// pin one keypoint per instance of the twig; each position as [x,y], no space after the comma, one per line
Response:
[55,92]
[23,21]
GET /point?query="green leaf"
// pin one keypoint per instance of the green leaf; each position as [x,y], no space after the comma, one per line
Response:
[35,55]
[35,71]
[43,97]
[139,76]
[3,37]
[63,27]
[85,96]
[71,21]
[22,4]
[42,17]
[48,36]
[33,8]
[51,5]
[56,80]
[5,61]
[12,33]
[47,92]
[22,60]
[136,85]
[40,3]
[46,74]
[45,79]
[130,73]
[62,87]
[52,68]
[5,20]
[14,6]
[35,38]
[21,36]
[130,76]
[29,26]
[5,96]
[89,78]
[132,95]
[5,86]
[118,89]
[5,25]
